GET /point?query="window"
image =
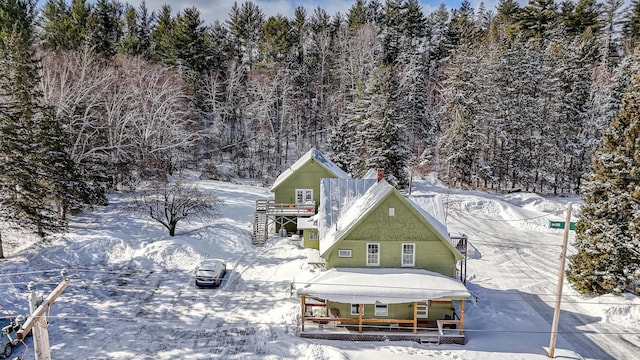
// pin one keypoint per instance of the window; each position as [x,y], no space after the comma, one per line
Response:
[392,211]
[382,310]
[344,253]
[408,254]
[313,235]
[373,254]
[355,309]
[304,196]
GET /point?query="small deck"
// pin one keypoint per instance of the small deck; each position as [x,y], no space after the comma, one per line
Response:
[334,330]
[268,211]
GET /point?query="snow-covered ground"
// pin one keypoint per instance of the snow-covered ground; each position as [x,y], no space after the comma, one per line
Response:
[132,296]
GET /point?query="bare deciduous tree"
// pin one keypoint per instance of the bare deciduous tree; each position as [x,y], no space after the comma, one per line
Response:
[170,203]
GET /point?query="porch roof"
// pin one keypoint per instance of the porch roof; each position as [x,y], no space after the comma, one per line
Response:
[382,285]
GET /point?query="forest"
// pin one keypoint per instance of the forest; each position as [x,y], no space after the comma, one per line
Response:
[97,97]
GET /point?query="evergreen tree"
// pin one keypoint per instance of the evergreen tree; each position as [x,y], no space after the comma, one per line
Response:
[461,142]
[608,230]
[246,29]
[131,44]
[539,19]
[412,102]
[80,13]
[343,135]
[462,28]
[278,39]
[357,15]
[380,135]
[137,26]
[508,15]
[162,48]
[105,28]
[391,33]
[581,16]
[189,41]
[55,25]
[34,167]
[631,25]
[439,44]
[220,47]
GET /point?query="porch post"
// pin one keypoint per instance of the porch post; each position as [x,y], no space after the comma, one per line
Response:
[302,313]
[461,316]
[360,318]
[415,317]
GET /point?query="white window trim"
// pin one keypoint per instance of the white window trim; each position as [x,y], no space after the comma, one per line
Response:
[413,255]
[304,200]
[381,312]
[313,235]
[377,263]
[357,308]
[344,253]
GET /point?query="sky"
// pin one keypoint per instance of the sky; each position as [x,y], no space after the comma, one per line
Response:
[131,293]
[212,10]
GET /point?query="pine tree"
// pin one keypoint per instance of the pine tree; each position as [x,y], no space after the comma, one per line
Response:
[246,29]
[78,33]
[105,28]
[131,44]
[137,26]
[278,39]
[189,40]
[461,142]
[612,13]
[162,47]
[581,16]
[462,28]
[631,26]
[379,142]
[608,230]
[55,25]
[437,38]
[539,19]
[24,161]
[357,14]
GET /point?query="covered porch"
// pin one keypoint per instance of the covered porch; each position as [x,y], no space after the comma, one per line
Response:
[385,289]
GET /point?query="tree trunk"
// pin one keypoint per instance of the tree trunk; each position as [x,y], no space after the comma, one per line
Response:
[1,250]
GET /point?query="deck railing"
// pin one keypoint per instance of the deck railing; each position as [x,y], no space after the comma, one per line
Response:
[273,208]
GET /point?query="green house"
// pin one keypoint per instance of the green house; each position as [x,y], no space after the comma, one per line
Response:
[309,228]
[388,263]
[297,189]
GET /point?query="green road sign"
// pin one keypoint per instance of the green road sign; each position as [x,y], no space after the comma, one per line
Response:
[560,225]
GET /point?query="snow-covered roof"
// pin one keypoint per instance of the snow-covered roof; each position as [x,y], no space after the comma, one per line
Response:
[439,226]
[432,204]
[336,197]
[313,154]
[308,222]
[373,285]
[371,174]
[360,208]
[349,218]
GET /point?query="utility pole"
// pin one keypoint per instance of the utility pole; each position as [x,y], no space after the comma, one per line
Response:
[38,321]
[556,313]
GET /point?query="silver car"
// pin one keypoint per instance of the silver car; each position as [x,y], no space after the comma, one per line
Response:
[210,272]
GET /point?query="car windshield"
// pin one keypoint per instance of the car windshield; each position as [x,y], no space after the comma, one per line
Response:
[204,272]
